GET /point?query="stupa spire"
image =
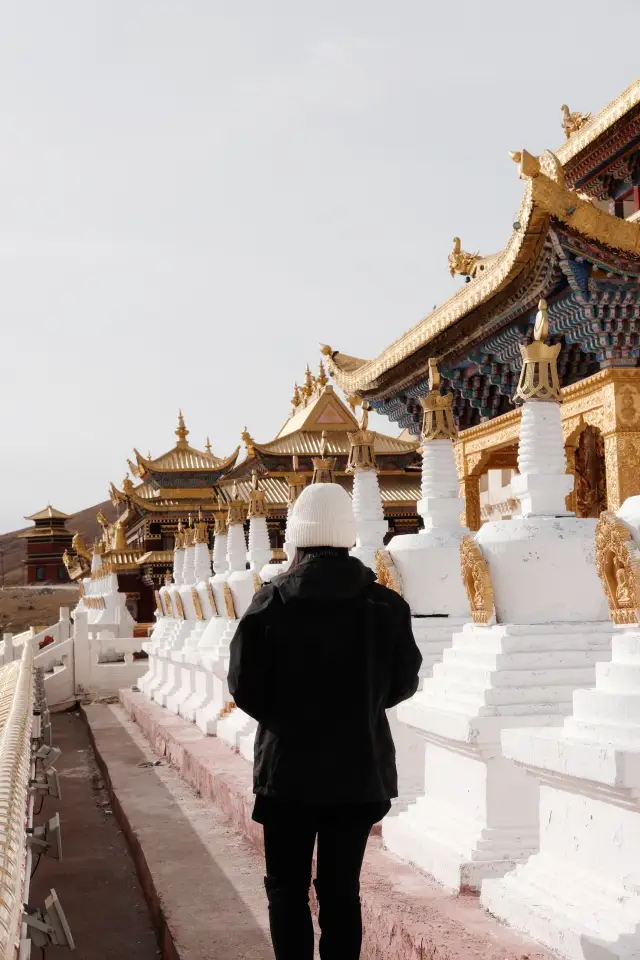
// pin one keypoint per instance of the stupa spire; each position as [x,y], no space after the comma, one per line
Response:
[539,374]
[323,466]
[542,483]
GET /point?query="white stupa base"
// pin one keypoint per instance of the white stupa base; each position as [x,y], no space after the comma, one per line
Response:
[433,635]
[477,819]
[187,660]
[366,554]
[580,894]
[235,725]
[429,566]
[217,689]
[173,641]
[247,743]
[491,679]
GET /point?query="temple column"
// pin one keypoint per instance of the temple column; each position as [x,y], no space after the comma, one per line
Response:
[621,429]
[471,510]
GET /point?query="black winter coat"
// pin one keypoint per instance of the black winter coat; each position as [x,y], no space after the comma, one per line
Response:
[318,657]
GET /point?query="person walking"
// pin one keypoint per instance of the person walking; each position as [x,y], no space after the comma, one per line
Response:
[319,656]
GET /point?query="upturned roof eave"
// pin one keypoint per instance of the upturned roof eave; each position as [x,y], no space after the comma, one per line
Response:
[544,199]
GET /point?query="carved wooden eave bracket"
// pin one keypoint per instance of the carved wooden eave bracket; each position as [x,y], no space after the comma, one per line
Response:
[546,198]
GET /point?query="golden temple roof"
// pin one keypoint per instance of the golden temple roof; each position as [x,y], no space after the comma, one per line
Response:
[50,513]
[183,457]
[396,489]
[326,413]
[546,197]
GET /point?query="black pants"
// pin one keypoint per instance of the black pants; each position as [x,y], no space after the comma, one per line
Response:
[289,841]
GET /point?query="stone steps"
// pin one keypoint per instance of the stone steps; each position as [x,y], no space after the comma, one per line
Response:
[407,916]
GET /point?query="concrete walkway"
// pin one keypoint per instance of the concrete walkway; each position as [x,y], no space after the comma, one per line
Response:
[96,880]
[203,881]
[406,915]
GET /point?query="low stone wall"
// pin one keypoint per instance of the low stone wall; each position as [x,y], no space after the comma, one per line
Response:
[406,915]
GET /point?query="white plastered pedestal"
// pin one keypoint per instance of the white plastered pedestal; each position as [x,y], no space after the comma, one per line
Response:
[237,723]
[580,894]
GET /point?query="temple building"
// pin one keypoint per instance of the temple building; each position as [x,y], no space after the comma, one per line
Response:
[185,485]
[576,244]
[46,546]
[319,425]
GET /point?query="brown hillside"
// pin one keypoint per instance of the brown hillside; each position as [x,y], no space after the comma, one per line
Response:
[13,549]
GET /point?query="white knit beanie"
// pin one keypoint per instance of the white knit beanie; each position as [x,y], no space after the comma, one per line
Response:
[322,517]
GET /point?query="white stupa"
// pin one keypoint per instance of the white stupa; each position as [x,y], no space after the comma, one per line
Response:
[580,894]
[540,625]
[427,564]
[371,526]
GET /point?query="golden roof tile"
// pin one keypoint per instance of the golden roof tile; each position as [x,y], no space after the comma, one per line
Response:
[50,513]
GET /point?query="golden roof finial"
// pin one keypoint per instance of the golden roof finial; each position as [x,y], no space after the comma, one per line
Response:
[207,447]
[361,450]
[127,484]
[323,466]
[236,507]
[322,379]
[539,374]
[437,419]
[257,498]
[181,431]
[296,399]
[202,533]
[326,350]
[309,383]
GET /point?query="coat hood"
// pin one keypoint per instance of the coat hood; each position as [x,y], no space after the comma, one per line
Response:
[324,578]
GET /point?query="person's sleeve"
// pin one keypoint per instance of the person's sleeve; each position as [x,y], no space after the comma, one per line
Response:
[251,657]
[407,658]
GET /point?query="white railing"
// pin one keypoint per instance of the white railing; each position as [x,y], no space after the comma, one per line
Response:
[16,708]
[85,660]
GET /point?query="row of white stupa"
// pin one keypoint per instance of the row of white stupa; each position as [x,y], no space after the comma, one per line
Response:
[529,715]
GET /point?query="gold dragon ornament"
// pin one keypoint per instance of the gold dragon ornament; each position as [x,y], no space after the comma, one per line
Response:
[466,264]
[572,122]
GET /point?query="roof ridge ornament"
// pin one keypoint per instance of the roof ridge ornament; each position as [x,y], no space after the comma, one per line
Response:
[539,374]
[466,264]
[572,122]
[438,422]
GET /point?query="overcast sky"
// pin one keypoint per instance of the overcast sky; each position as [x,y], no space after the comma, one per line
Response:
[196,192]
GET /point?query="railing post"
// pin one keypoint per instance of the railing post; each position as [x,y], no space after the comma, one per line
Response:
[64,626]
[81,652]
[7,653]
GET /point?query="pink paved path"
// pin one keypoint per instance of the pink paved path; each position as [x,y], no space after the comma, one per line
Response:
[407,916]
